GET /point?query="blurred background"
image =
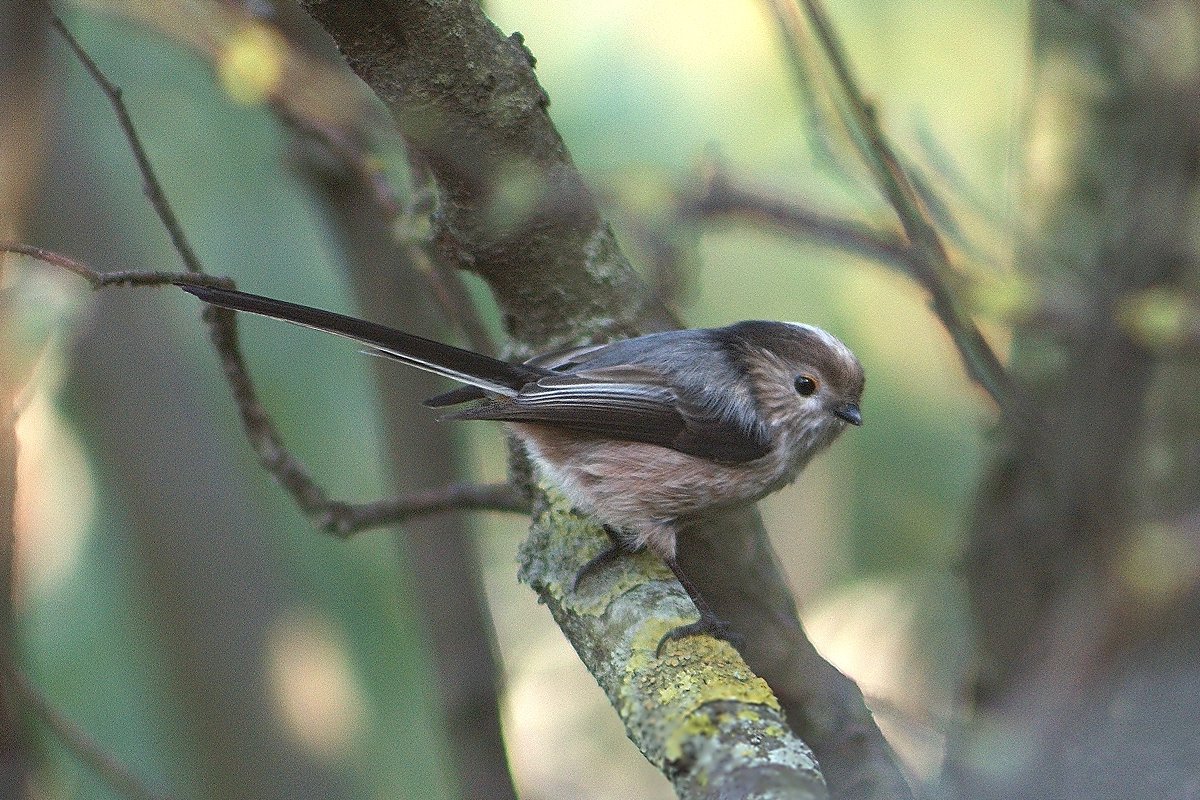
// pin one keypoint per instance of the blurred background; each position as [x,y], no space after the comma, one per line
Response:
[305,653]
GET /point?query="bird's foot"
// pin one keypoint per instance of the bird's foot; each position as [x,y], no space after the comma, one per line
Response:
[615,550]
[708,624]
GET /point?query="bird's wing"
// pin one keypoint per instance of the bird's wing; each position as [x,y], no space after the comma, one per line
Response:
[555,360]
[631,404]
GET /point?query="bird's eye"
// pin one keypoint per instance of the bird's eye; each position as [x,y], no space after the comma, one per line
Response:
[806,385]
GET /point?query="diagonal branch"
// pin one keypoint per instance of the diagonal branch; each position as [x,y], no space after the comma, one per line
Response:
[926,253]
[720,196]
[337,517]
[119,776]
[698,712]
[150,183]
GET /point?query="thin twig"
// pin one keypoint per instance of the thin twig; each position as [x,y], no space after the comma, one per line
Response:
[118,775]
[928,257]
[334,516]
[462,496]
[150,183]
[819,100]
[446,285]
[720,196]
[256,423]
[667,250]
[351,158]
[445,280]
[344,146]
[99,280]
[666,257]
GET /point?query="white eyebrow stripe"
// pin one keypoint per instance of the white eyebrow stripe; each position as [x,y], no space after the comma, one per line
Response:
[834,343]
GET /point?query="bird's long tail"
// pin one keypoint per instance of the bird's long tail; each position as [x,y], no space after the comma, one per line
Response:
[490,374]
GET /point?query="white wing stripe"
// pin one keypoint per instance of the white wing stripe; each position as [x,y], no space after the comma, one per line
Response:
[440,369]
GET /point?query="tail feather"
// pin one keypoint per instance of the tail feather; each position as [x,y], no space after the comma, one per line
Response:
[454,397]
[490,374]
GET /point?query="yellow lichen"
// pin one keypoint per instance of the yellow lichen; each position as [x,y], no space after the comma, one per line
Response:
[664,697]
[693,725]
[691,674]
[749,715]
[566,531]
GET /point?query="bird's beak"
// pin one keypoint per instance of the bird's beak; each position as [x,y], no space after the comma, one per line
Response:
[848,412]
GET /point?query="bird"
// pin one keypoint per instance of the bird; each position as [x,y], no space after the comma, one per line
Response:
[646,434]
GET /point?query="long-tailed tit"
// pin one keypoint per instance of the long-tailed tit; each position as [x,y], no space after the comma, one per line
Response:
[649,433]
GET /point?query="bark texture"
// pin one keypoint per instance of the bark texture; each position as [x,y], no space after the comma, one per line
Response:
[513,208]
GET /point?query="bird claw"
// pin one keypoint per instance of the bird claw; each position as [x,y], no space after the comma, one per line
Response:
[708,624]
[615,550]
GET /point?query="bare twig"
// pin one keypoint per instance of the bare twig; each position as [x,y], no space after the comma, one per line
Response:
[666,257]
[387,269]
[820,102]
[445,281]
[668,252]
[119,776]
[259,428]
[720,196]
[342,145]
[150,182]
[99,280]
[336,517]
[928,258]
[446,284]
[463,496]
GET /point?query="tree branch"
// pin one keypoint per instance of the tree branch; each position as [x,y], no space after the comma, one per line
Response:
[468,104]
[150,183]
[926,255]
[456,496]
[1086,650]
[334,516]
[440,551]
[118,775]
[99,280]
[511,205]
[698,713]
[337,517]
[719,196]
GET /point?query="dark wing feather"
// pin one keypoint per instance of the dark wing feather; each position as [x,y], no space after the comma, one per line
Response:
[719,437]
[555,360]
[634,412]
[602,390]
[460,394]
[630,413]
